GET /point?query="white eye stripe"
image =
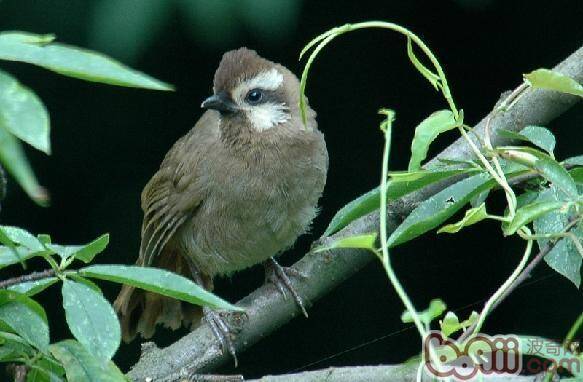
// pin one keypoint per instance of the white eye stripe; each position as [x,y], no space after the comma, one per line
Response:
[269,80]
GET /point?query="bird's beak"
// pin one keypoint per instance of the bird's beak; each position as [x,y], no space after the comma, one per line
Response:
[220,102]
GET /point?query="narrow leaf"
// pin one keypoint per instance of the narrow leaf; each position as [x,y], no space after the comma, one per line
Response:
[23,114]
[45,370]
[14,161]
[85,253]
[365,241]
[82,366]
[451,324]
[9,256]
[435,309]
[426,132]
[88,252]
[159,281]
[428,74]
[564,257]
[545,165]
[528,213]
[472,216]
[74,62]
[22,237]
[577,175]
[551,80]
[30,288]
[537,135]
[396,188]
[574,161]
[440,207]
[14,346]
[91,319]
[25,317]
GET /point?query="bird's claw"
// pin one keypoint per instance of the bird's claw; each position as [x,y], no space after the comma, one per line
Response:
[280,277]
[222,331]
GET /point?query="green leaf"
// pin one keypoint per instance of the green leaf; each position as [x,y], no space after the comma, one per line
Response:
[22,237]
[82,366]
[564,257]
[428,74]
[577,175]
[85,253]
[74,62]
[537,135]
[365,241]
[426,132]
[23,114]
[29,38]
[13,347]
[89,251]
[477,200]
[159,281]
[357,208]
[397,187]
[472,216]
[551,80]
[549,168]
[530,212]
[44,238]
[25,317]
[450,323]
[75,277]
[435,309]
[14,160]
[440,207]
[9,256]
[30,288]
[91,319]
[45,369]
[574,161]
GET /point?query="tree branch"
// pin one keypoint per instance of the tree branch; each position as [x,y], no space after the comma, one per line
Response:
[34,276]
[267,310]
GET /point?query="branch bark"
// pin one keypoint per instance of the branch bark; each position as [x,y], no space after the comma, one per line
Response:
[34,276]
[267,310]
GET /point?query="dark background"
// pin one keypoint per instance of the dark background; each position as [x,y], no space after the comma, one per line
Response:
[107,142]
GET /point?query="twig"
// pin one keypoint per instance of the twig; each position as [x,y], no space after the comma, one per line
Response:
[34,276]
[525,274]
[267,310]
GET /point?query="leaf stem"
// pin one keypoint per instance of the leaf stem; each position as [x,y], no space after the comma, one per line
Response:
[329,35]
[386,128]
[501,291]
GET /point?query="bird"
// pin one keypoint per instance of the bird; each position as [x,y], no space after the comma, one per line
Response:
[236,190]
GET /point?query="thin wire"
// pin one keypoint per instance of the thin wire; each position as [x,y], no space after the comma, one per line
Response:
[394,333]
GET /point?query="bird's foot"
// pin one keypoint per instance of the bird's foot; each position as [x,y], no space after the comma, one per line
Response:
[222,331]
[280,277]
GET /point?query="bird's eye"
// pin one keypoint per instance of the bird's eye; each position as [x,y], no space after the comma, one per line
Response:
[254,96]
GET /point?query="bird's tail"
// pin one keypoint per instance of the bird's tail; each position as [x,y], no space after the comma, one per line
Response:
[141,311]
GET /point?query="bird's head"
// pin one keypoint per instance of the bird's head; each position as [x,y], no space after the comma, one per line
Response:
[254,92]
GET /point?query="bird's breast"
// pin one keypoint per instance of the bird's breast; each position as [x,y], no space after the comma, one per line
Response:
[255,209]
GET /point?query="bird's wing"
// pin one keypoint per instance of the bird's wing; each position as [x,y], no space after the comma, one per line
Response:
[174,192]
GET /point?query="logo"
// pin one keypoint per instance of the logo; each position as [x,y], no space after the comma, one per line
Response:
[445,358]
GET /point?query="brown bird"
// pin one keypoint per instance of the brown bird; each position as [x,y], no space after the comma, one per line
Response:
[236,190]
